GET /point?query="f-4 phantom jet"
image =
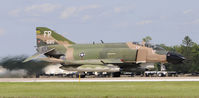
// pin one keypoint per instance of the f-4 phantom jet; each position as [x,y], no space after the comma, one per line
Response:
[101,57]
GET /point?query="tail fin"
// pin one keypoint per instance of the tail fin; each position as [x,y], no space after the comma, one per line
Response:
[46,36]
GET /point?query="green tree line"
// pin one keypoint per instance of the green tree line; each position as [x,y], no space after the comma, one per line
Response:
[190,50]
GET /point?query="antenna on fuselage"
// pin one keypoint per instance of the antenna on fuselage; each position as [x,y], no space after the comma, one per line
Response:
[102,41]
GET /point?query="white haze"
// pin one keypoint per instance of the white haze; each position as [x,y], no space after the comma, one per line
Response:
[20,73]
[54,69]
[5,73]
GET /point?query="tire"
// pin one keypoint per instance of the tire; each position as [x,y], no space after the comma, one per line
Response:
[159,75]
[81,75]
[116,74]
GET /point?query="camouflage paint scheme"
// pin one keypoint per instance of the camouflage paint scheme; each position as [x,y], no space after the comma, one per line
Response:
[109,57]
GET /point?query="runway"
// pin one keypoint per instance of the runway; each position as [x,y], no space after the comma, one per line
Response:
[131,79]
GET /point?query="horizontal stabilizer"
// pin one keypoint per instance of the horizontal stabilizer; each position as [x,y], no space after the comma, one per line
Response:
[37,54]
[32,57]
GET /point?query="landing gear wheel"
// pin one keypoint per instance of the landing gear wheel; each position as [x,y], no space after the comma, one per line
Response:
[82,75]
[116,74]
[159,75]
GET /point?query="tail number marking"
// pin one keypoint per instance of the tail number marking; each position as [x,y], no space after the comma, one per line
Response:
[48,34]
[50,42]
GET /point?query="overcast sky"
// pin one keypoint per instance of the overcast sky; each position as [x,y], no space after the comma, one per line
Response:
[85,21]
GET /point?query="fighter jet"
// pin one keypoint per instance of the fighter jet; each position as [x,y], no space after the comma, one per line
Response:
[101,57]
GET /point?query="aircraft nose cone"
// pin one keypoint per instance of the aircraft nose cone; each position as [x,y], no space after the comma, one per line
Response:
[175,58]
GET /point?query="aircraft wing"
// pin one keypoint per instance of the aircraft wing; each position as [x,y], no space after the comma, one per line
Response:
[80,62]
[93,62]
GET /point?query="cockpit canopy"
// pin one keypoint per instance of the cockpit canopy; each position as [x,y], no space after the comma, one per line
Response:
[157,48]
